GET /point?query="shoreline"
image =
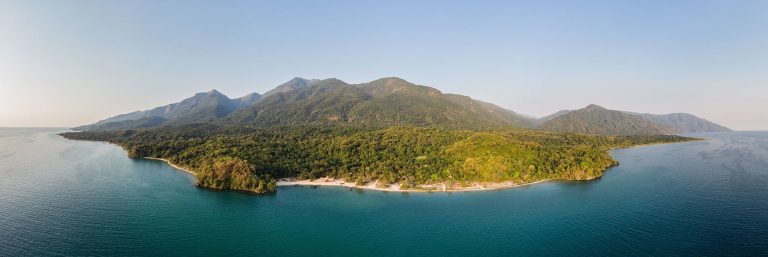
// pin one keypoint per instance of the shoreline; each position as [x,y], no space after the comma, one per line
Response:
[427,188]
[693,139]
[172,165]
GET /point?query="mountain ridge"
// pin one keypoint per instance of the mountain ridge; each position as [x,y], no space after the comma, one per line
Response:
[382,102]
[201,107]
[686,122]
[594,119]
[680,122]
[386,101]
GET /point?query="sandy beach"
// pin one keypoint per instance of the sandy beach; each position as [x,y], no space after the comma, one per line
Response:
[374,185]
[441,187]
[172,165]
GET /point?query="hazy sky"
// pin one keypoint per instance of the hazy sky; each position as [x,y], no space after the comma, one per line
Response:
[66,63]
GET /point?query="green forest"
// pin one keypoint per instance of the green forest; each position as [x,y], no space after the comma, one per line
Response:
[254,158]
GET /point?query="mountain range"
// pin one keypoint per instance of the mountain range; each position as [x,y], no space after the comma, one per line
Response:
[595,119]
[389,102]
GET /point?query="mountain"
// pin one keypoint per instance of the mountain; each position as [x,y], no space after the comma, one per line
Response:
[202,107]
[685,122]
[145,122]
[678,122]
[388,102]
[493,111]
[594,119]
[382,102]
[248,99]
[541,120]
[293,84]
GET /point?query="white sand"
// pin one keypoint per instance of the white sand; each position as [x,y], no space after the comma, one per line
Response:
[327,181]
[172,165]
[441,187]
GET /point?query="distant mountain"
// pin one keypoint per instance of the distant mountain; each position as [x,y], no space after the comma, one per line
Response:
[202,107]
[678,122]
[685,122]
[541,120]
[145,122]
[248,99]
[293,84]
[594,119]
[382,102]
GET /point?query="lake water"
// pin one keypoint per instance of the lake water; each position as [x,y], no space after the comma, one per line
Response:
[63,197]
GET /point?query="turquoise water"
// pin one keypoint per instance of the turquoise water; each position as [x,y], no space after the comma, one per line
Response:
[62,197]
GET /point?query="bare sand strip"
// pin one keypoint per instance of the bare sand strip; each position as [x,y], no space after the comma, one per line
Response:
[441,187]
[172,165]
[375,185]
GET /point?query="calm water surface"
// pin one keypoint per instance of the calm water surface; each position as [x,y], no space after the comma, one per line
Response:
[62,197]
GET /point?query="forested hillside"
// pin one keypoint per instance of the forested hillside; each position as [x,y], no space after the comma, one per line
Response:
[594,119]
[252,158]
[383,102]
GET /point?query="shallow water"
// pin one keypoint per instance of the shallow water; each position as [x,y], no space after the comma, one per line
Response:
[63,197]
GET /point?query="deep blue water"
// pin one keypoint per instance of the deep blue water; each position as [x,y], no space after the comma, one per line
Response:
[63,197]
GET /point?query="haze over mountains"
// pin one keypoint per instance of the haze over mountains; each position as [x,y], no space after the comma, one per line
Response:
[685,122]
[594,119]
[389,102]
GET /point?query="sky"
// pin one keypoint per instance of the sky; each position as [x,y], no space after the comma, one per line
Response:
[68,63]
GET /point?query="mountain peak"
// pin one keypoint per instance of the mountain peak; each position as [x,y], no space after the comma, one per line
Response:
[212,93]
[327,81]
[291,85]
[248,99]
[391,81]
[298,80]
[594,107]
